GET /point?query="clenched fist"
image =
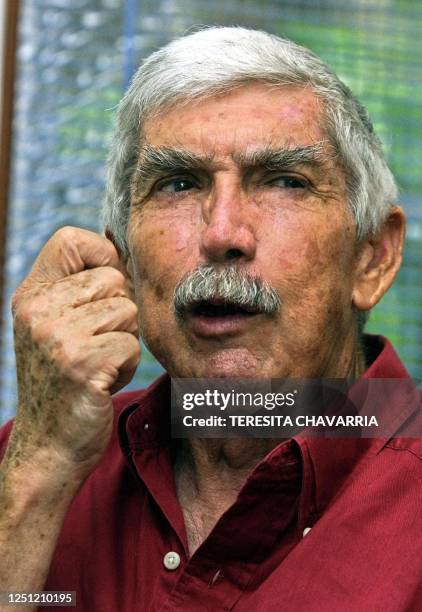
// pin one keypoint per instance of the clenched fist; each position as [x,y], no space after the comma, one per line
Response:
[76,343]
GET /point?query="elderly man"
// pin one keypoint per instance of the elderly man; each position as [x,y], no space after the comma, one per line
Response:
[252,219]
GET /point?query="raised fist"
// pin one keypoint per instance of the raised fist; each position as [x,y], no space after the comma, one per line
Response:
[76,343]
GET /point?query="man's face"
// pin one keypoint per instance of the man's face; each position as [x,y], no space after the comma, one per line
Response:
[242,202]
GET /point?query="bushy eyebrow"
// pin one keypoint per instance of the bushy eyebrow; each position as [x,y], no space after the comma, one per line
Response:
[160,161]
[275,158]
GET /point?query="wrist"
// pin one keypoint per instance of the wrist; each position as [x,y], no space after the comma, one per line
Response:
[40,481]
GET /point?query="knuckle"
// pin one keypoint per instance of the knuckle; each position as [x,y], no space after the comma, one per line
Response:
[113,277]
[132,308]
[24,312]
[44,333]
[20,296]
[68,360]
[66,234]
[109,247]
[134,346]
[65,359]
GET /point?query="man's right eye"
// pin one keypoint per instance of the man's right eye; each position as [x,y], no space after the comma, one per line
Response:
[176,185]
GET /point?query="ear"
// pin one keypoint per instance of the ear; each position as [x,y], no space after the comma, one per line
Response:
[378,261]
[125,264]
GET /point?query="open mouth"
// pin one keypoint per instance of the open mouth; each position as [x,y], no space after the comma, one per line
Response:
[213,310]
[217,308]
[219,318]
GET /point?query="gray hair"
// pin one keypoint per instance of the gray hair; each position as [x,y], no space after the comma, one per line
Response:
[216,60]
[231,285]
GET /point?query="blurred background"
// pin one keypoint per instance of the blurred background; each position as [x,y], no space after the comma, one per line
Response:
[66,64]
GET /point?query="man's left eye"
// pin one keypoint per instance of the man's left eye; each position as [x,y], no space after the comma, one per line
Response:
[177,185]
[289,182]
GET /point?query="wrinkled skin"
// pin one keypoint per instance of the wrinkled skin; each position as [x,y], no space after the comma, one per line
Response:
[301,240]
[76,323]
[291,227]
[75,343]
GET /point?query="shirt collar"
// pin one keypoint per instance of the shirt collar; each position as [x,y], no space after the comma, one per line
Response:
[144,423]
[145,420]
[334,460]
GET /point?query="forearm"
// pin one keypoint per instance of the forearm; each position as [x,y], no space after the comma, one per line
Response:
[76,342]
[33,505]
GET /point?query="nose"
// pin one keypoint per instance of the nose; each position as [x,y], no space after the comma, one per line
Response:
[228,234]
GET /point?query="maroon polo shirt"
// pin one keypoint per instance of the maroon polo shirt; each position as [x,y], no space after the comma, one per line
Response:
[319,525]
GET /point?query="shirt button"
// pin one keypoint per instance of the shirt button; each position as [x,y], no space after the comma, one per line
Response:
[171,560]
[306,531]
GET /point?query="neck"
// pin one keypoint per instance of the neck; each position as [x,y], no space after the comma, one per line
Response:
[221,464]
[209,473]
[227,462]
[357,362]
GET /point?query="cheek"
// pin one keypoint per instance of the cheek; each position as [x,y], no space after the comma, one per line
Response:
[312,263]
[156,246]
[313,240]
[302,260]
[298,253]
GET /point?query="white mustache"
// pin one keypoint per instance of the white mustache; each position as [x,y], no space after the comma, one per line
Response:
[229,284]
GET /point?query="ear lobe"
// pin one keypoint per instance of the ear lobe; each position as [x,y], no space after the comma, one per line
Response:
[378,261]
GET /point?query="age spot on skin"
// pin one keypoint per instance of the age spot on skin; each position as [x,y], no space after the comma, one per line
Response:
[158,290]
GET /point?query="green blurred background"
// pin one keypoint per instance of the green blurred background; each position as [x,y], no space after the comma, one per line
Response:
[76,57]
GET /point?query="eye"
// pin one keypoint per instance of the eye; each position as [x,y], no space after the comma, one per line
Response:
[289,182]
[177,185]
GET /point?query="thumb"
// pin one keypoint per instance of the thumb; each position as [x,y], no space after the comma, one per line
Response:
[71,250]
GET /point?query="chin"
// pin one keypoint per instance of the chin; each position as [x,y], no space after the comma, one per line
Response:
[232,363]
